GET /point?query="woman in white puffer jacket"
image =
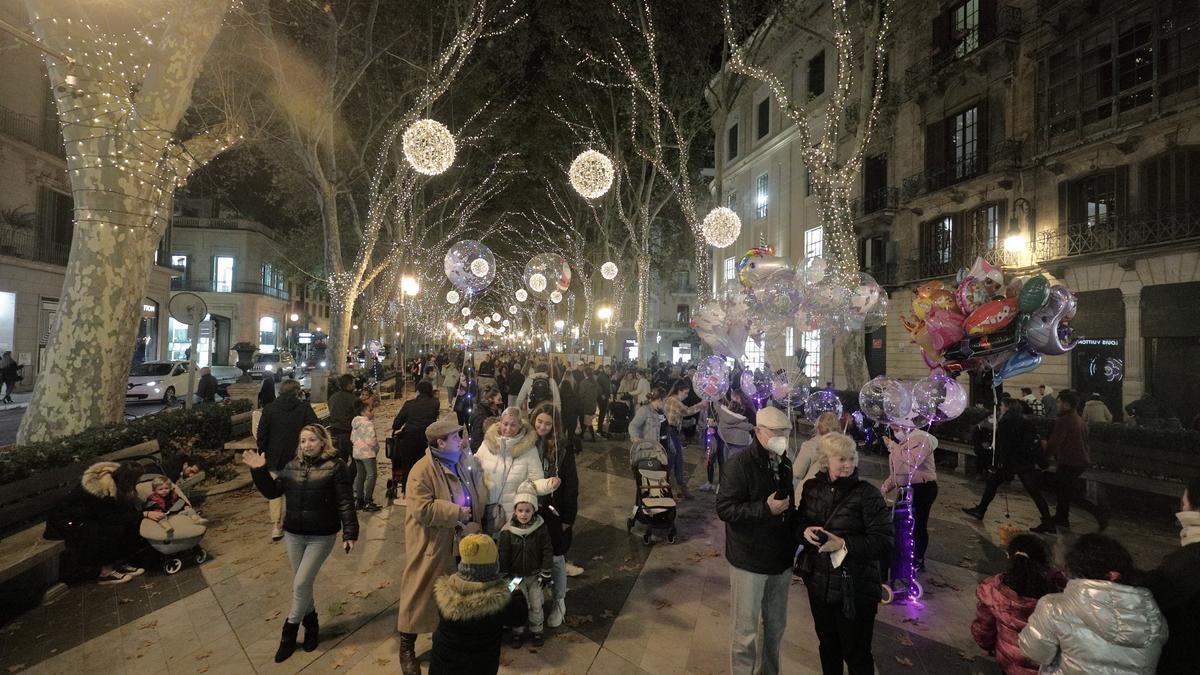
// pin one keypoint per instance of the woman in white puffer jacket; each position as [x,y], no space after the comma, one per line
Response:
[509,457]
[1099,624]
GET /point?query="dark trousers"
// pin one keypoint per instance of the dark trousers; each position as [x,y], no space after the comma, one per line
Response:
[923,496]
[602,404]
[718,459]
[344,446]
[1065,479]
[842,639]
[1030,479]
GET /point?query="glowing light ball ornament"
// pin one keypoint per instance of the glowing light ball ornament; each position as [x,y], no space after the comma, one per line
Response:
[721,227]
[609,270]
[522,295]
[512,309]
[470,266]
[453,297]
[711,379]
[556,297]
[429,147]
[495,316]
[546,273]
[591,174]
[466,311]
[823,401]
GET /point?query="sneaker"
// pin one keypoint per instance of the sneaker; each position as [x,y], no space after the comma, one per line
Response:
[974,512]
[129,570]
[555,618]
[708,487]
[371,507]
[113,577]
[537,640]
[573,570]
[277,532]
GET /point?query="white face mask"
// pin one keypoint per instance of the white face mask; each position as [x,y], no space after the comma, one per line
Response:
[778,445]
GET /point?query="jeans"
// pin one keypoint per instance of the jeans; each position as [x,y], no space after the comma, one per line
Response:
[558,572]
[1065,478]
[759,604]
[1030,479]
[531,587]
[843,639]
[923,496]
[307,553]
[364,479]
[674,455]
[450,395]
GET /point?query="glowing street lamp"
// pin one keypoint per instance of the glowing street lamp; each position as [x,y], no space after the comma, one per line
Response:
[409,286]
[604,313]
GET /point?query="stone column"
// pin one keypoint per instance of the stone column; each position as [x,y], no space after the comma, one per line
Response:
[1135,349]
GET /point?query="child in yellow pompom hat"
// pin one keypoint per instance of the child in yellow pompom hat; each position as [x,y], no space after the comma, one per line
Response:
[475,605]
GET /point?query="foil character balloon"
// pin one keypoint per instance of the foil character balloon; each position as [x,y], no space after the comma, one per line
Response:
[1034,293]
[970,295]
[987,273]
[945,328]
[1045,330]
[982,345]
[758,264]
[1022,361]
[991,317]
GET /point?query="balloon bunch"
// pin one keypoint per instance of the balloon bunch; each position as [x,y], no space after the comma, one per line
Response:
[936,398]
[982,324]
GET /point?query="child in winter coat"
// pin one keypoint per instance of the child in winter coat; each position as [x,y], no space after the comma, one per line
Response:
[1007,599]
[1100,623]
[365,453]
[474,606]
[527,553]
[164,500]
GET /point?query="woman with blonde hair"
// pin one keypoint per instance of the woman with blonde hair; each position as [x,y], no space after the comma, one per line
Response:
[808,460]
[319,501]
[508,457]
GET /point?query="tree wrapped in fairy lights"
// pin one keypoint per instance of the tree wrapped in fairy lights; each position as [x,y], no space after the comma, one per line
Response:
[122,81]
[834,164]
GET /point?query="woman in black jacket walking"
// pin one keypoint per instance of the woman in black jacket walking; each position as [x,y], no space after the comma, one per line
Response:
[847,529]
[278,434]
[409,430]
[320,501]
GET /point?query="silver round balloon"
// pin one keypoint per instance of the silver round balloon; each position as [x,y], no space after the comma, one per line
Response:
[546,273]
[470,265]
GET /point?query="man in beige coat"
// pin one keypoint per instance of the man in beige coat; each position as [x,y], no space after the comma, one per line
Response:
[443,502]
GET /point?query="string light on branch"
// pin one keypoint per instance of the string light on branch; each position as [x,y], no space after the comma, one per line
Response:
[591,174]
[523,295]
[429,147]
[453,297]
[609,270]
[721,227]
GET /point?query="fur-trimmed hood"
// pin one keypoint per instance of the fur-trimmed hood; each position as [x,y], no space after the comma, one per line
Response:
[517,446]
[98,480]
[462,600]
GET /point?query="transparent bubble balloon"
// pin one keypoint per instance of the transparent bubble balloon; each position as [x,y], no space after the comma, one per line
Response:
[789,389]
[470,265]
[885,400]
[711,379]
[810,270]
[823,401]
[938,398]
[546,273]
[878,316]
[772,304]
[864,298]
[756,384]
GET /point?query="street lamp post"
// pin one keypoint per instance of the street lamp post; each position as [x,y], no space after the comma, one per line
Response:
[292,320]
[408,287]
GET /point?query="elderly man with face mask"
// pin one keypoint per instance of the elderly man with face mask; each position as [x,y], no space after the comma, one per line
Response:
[756,501]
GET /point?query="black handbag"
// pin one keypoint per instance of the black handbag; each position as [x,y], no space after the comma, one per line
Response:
[389,447]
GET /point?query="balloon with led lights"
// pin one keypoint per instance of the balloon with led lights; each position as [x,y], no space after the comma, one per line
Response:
[789,388]
[429,147]
[822,401]
[591,174]
[711,379]
[546,273]
[470,265]
[938,398]
[885,400]
[721,227]
[773,302]
[756,384]
[609,270]
[810,270]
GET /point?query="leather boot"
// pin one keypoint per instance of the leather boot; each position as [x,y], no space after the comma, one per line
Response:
[408,654]
[311,630]
[287,643]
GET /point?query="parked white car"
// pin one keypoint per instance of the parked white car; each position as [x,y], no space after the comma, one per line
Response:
[167,380]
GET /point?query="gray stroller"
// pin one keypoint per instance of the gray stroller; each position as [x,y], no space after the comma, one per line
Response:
[654,504]
[178,535]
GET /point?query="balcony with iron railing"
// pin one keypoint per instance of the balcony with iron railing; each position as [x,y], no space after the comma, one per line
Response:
[886,274]
[210,286]
[1117,233]
[1004,156]
[26,244]
[934,263]
[884,199]
[939,65]
[42,134]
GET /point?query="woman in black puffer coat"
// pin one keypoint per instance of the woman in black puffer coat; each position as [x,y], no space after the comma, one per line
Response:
[319,501]
[408,428]
[846,527]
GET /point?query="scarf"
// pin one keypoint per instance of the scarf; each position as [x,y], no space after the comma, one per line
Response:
[1190,532]
[448,457]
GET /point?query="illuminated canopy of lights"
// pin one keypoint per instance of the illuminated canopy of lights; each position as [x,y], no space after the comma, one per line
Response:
[556,297]
[429,147]
[591,174]
[523,295]
[721,227]
[609,270]
[537,282]
[480,267]
[453,297]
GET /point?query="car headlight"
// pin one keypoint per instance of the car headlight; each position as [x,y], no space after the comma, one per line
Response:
[150,383]
[268,367]
[322,364]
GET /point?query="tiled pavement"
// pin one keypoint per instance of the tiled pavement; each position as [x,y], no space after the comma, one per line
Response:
[637,609]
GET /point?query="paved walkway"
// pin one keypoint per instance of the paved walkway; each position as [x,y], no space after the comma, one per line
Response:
[638,609]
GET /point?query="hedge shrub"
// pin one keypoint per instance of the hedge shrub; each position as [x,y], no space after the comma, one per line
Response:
[207,423]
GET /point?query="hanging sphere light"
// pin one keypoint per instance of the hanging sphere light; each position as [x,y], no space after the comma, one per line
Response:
[487,320]
[453,297]
[495,316]
[556,296]
[522,295]
[505,323]
[429,147]
[721,227]
[512,309]
[609,270]
[466,311]
[480,267]
[591,174]
[537,282]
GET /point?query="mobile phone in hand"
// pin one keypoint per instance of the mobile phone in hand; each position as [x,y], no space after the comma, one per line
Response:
[516,581]
[821,536]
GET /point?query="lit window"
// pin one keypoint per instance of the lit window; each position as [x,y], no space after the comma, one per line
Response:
[731,202]
[755,357]
[223,274]
[761,197]
[810,341]
[814,242]
[965,141]
[730,268]
[731,143]
[966,27]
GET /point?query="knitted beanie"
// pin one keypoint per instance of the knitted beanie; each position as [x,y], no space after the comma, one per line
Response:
[526,493]
[478,556]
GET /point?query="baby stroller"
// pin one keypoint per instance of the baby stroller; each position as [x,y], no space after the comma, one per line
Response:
[899,576]
[176,536]
[620,410]
[654,505]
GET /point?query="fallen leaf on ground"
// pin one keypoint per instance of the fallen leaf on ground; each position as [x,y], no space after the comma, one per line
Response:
[382,662]
[627,568]
[575,620]
[934,581]
[904,662]
[149,624]
[574,638]
[336,609]
[124,601]
[905,640]
[660,603]
[605,578]
[274,616]
[597,557]
[384,584]
[202,656]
